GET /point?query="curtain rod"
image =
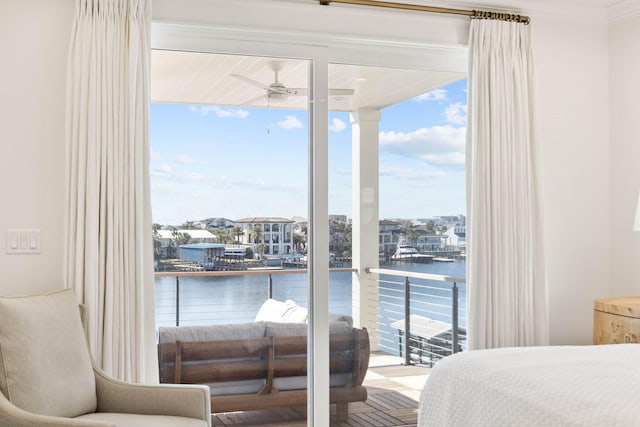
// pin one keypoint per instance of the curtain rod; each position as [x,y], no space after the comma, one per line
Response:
[404,6]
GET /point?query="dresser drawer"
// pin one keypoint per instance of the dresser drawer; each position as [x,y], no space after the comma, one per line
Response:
[616,320]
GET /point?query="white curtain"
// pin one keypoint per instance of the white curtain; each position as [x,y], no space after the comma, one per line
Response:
[506,289]
[108,255]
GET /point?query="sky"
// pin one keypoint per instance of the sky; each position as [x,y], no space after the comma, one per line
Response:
[210,161]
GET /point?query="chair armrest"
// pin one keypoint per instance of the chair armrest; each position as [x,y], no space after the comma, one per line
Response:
[11,415]
[191,401]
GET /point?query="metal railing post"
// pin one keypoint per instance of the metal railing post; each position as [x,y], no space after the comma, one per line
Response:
[177,301]
[270,287]
[407,322]
[454,317]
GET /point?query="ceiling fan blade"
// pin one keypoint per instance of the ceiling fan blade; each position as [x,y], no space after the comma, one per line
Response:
[300,91]
[250,81]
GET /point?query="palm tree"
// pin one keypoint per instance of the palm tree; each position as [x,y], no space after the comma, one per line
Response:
[299,241]
[222,235]
[410,233]
[188,225]
[256,235]
[430,226]
[339,236]
[157,244]
[179,239]
[237,231]
[345,230]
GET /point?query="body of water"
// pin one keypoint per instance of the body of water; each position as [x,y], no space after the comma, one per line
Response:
[237,299]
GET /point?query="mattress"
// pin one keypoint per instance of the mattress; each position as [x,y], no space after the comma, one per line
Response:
[535,386]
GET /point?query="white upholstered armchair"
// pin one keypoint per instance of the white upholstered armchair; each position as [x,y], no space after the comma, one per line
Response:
[47,377]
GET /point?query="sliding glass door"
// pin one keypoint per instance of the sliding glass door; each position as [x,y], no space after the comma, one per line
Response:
[239,189]
[281,241]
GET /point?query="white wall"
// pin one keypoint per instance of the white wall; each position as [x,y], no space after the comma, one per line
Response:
[34,36]
[573,77]
[572,69]
[624,54]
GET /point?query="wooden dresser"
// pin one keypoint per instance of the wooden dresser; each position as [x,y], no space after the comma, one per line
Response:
[616,320]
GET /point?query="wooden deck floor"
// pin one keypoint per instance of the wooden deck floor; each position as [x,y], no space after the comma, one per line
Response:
[393,391]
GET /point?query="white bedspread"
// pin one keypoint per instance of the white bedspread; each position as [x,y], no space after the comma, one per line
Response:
[537,386]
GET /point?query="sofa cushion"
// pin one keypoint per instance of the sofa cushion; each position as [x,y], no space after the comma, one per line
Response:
[236,331]
[46,368]
[136,420]
[279,329]
[333,318]
[225,388]
[300,383]
[278,311]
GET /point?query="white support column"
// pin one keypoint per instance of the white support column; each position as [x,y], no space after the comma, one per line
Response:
[365,228]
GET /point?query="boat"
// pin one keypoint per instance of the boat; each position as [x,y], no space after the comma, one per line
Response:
[408,253]
[443,259]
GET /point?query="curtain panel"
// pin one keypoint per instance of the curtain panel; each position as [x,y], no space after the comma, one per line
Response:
[506,286]
[109,249]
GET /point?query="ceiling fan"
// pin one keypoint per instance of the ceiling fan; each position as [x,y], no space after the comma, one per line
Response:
[278,92]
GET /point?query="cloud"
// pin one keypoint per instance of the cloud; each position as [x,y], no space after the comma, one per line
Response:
[204,110]
[290,122]
[438,146]
[456,113]
[434,95]
[165,170]
[337,125]
[184,159]
[450,159]
[409,174]
[192,177]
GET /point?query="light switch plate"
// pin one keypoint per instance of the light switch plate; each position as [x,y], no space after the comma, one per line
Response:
[23,241]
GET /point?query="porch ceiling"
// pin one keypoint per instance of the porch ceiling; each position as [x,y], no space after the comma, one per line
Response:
[205,78]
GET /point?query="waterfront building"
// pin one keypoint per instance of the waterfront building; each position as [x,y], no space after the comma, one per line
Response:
[388,236]
[267,235]
[168,244]
[338,218]
[428,241]
[456,236]
[204,254]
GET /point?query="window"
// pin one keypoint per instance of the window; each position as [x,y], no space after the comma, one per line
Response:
[324,199]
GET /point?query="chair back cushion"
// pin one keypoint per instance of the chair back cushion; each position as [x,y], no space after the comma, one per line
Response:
[45,367]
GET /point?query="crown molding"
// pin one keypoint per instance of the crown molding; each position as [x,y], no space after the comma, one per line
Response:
[624,10]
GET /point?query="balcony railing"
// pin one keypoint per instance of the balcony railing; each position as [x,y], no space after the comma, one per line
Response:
[427,308]
[205,306]
[420,316]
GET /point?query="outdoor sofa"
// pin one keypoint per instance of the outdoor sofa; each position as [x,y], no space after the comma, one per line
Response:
[263,364]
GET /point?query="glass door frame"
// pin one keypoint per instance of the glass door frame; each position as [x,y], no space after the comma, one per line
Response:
[320,49]
[171,38]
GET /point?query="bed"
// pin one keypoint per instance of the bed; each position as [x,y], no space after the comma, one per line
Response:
[535,386]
